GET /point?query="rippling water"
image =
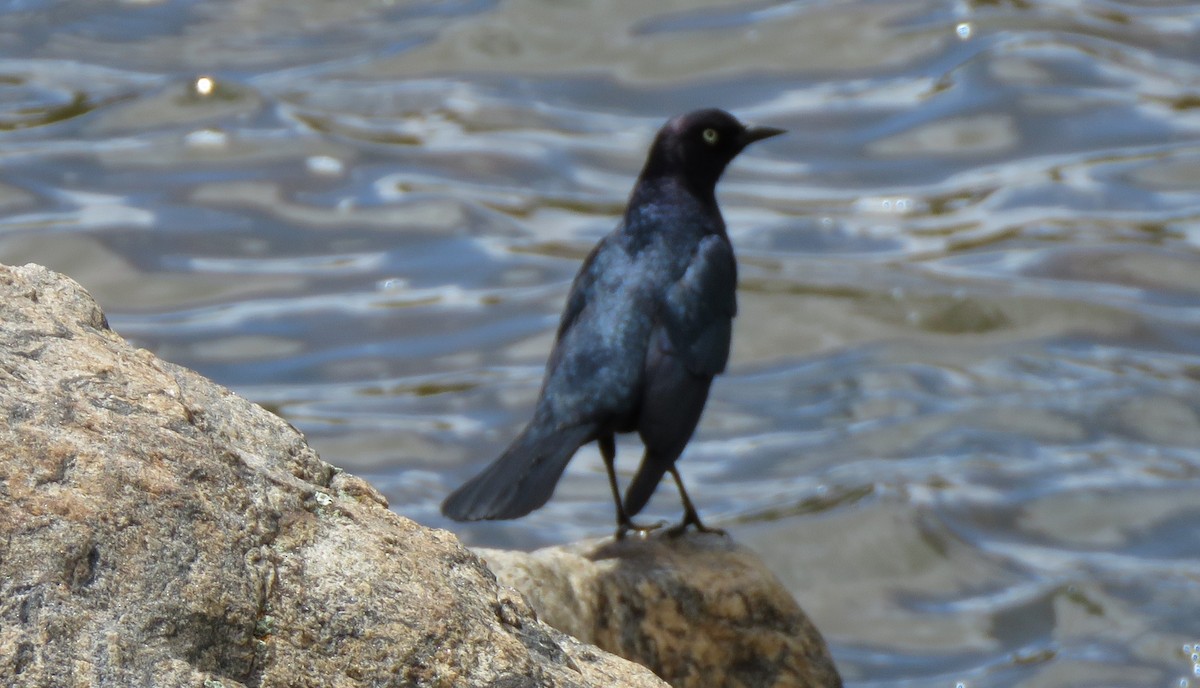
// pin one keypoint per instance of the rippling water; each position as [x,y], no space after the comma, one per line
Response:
[963,414]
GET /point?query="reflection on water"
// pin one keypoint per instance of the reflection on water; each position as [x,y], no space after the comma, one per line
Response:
[962,417]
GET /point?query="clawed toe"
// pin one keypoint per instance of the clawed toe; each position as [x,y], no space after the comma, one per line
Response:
[641,529]
[676,531]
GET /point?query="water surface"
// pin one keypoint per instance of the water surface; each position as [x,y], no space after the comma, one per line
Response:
[962,417]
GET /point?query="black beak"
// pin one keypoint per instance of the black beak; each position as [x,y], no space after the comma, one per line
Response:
[753,133]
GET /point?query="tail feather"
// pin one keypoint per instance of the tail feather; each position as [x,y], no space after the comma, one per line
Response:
[521,480]
[642,487]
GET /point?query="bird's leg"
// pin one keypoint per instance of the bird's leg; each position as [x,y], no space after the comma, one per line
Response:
[608,450]
[690,517]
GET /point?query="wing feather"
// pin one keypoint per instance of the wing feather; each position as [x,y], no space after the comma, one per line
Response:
[698,310]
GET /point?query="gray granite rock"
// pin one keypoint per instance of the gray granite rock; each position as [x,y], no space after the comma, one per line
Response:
[158,530]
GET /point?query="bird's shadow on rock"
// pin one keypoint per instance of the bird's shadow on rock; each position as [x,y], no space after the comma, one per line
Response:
[640,550]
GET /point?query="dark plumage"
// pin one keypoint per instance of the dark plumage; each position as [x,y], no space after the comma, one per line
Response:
[646,326]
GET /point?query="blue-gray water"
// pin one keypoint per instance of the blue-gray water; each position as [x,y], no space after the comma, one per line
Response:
[962,420]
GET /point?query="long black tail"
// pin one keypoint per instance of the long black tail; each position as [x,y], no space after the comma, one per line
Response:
[522,479]
[645,481]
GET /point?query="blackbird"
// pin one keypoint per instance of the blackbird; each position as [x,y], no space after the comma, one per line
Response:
[646,326]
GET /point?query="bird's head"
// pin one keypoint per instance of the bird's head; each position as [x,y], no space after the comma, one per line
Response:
[695,148]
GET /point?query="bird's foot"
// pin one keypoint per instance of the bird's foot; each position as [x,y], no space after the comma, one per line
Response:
[641,529]
[692,520]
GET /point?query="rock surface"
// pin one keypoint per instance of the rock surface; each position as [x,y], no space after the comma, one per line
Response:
[698,610]
[157,530]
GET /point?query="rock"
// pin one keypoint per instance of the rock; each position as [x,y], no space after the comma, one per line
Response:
[158,530]
[698,610]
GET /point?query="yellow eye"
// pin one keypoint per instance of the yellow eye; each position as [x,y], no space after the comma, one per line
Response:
[710,136]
